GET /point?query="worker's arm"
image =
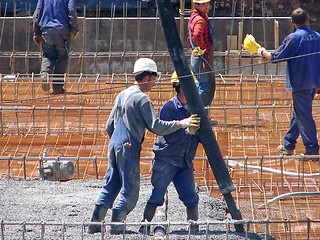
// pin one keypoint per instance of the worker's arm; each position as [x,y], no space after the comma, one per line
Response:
[73,19]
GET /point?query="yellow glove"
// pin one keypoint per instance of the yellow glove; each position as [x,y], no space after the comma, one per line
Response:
[192,121]
[197,51]
[192,130]
[37,39]
[74,35]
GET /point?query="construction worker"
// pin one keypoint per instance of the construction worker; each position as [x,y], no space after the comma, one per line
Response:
[55,25]
[201,40]
[301,51]
[173,160]
[132,113]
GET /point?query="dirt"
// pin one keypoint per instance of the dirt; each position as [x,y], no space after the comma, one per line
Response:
[35,202]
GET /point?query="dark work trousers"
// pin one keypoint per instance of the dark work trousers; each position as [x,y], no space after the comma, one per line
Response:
[55,56]
[302,122]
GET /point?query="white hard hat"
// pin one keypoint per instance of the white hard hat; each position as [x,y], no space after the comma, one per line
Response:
[145,65]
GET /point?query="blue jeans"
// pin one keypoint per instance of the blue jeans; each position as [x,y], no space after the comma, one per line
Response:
[206,82]
[55,55]
[183,179]
[302,122]
[123,173]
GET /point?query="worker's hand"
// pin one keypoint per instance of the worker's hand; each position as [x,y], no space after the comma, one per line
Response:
[260,50]
[317,92]
[197,51]
[193,130]
[37,39]
[192,121]
[74,35]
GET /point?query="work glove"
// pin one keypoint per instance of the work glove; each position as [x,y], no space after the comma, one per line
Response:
[192,130]
[37,39]
[192,121]
[197,51]
[74,35]
[260,50]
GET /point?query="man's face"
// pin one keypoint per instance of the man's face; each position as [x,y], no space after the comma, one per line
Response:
[148,82]
[204,7]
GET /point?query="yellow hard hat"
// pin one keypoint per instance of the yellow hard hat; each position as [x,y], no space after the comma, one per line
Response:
[174,77]
[201,1]
[250,44]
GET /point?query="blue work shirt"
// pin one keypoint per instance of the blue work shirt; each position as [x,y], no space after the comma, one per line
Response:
[303,73]
[178,148]
[55,16]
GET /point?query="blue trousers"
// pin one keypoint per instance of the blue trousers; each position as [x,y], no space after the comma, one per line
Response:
[55,55]
[183,179]
[302,122]
[123,173]
[206,82]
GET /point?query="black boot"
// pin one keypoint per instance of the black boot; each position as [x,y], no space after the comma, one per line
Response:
[192,214]
[147,215]
[118,216]
[98,215]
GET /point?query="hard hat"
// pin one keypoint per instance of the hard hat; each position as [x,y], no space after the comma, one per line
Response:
[174,77]
[144,65]
[250,44]
[201,1]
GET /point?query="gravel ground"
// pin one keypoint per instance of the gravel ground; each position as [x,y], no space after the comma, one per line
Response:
[36,202]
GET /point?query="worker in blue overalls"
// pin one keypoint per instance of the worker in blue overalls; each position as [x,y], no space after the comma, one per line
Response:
[173,158]
[301,50]
[132,113]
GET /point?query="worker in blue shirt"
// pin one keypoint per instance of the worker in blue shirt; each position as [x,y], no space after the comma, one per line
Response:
[301,50]
[173,158]
[55,25]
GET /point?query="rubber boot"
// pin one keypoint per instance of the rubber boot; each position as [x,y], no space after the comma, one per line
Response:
[192,214]
[98,215]
[147,215]
[118,216]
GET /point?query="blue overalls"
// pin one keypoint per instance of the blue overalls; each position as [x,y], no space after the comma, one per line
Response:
[173,159]
[206,82]
[123,173]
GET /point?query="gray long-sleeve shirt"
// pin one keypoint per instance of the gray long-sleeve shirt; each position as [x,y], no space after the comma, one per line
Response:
[138,115]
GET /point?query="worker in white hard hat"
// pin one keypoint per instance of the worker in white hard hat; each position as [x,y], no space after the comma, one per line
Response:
[173,158]
[201,40]
[131,114]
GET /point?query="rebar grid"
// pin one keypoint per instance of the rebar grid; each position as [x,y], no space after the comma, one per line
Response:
[62,228]
[253,114]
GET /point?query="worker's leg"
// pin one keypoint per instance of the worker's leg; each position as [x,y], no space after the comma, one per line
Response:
[290,139]
[48,59]
[162,175]
[129,172]
[185,185]
[62,47]
[108,193]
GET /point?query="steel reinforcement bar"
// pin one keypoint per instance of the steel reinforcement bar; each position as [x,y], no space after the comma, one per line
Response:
[226,230]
